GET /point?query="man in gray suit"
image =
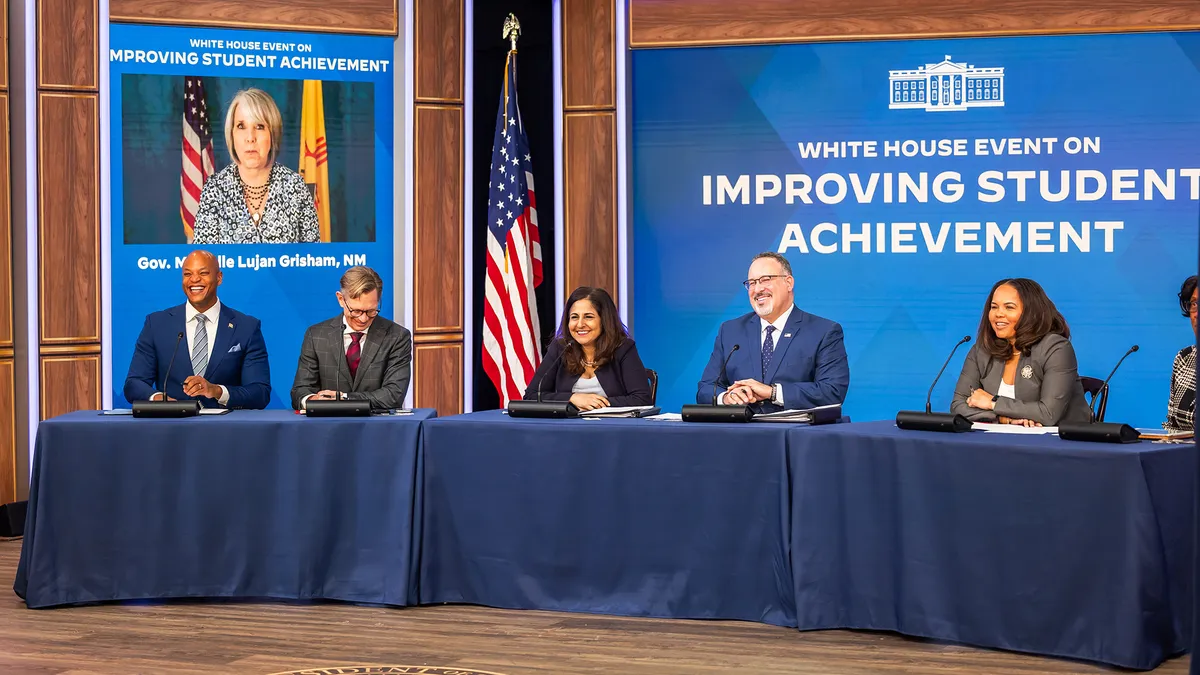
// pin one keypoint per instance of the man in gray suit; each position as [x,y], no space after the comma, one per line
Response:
[372,354]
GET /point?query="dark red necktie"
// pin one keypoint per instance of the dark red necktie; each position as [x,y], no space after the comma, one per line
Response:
[353,353]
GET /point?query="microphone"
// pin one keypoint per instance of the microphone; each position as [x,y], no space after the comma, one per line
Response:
[542,379]
[929,420]
[337,407]
[171,364]
[723,412]
[165,408]
[929,396]
[548,409]
[1104,387]
[724,376]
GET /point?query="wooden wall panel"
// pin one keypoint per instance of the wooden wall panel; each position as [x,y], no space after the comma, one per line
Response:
[589,40]
[438,376]
[657,23]
[439,41]
[438,233]
[378,17]
[8,432]
[70,383]
[438,45]
[590,227]
[6,253]
[69,43]
[589,145]
[69,217]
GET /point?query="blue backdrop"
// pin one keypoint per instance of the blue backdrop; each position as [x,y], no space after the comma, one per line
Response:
[295,288]
[724,138]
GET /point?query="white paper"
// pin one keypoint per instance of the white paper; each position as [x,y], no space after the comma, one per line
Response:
[213,411]
[117,411]
[670,417]
[1013,429]
[615,411]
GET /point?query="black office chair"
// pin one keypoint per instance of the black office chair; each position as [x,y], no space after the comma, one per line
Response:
[653,377]
[1094,386]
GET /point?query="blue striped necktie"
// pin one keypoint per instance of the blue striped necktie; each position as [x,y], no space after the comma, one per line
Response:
[200,346]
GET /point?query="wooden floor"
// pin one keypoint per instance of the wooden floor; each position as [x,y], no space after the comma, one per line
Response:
[261,638]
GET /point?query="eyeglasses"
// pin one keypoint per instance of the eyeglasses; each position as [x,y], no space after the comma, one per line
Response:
[761,281]
[360,313]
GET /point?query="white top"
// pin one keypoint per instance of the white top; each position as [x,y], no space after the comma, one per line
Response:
[588,386]
[1007,390]
[213,314]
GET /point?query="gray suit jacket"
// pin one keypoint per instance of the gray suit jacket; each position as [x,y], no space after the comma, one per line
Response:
[384,368]
[1047,385]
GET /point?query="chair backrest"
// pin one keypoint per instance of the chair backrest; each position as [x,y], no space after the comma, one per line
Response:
[653,377]
[1094,387]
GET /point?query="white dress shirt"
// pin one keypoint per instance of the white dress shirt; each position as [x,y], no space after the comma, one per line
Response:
[213,314]
[347,340]
[779,323]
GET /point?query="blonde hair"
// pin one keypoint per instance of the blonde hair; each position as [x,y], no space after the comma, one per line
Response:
[260,107]
[359,280]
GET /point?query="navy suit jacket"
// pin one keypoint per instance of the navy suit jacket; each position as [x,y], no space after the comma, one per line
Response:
[809,361]
[238,361]
[623,378]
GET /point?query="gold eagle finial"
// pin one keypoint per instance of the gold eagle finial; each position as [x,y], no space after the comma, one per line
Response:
[512,29]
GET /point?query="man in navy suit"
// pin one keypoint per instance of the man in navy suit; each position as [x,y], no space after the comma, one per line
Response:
[223,362]
[786,358]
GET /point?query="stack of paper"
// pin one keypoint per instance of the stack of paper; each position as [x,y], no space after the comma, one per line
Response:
[622,411]
[1012,429]
[799,416]
[1165,434]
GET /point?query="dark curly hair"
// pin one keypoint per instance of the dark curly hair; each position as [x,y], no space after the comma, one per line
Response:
[1039,318]
[1185,295]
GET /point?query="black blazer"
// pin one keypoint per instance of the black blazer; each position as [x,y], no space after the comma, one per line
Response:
[623,378]
[1047,385]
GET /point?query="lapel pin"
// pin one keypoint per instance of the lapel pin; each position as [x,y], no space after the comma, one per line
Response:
[231,325]
[787,335]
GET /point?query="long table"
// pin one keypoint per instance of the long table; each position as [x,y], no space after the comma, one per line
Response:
[247,504]
[615,516]
[1026,543]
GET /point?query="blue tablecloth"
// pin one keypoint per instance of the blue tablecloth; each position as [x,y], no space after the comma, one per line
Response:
[618,516]
[248,504]
[1027,543]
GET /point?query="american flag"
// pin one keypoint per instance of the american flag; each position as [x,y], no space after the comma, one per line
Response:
[511,333]
[197,152]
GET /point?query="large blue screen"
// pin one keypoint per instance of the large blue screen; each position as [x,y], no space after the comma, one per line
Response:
[901,179]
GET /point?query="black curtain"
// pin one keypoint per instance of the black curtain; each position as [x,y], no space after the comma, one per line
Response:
[535,96]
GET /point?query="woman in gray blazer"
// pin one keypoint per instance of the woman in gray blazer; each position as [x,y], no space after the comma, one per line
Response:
[1022,369]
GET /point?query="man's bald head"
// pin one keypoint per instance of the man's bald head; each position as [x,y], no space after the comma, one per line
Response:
[201,277]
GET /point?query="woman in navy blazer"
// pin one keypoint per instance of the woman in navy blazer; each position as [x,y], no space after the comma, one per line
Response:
[592,362]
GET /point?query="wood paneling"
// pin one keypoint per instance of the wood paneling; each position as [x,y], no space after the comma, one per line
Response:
[438,44]
[694,22]
[438,230]
[589,40]
[8,432]
[277,637]
[437,372]
[70,383]
[332,16]
[6,261]
[4,40]
[68,44]
[590,186]
[69,218]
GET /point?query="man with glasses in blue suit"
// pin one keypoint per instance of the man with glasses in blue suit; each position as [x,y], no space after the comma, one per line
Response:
[786,358]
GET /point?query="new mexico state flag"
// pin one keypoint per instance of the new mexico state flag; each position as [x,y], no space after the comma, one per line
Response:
[314,155]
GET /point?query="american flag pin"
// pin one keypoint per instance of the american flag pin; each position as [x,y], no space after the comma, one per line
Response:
[231,325]
[787,335]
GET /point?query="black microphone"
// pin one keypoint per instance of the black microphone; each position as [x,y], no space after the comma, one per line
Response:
[1104,387]
[171,364]
[929,396]
[929,420]
[542,379]
[724,376]
[551,409]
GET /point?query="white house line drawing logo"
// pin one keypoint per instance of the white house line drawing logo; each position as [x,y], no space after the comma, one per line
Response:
[946,86]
